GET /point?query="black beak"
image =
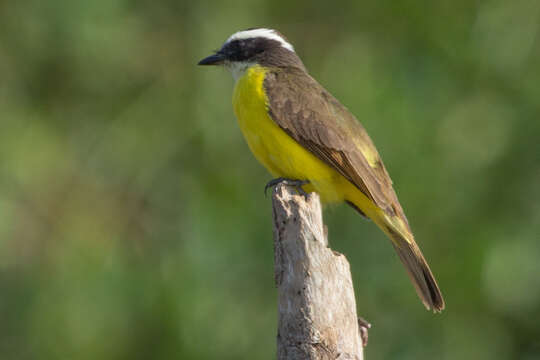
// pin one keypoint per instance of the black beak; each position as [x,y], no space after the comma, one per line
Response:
[216,59]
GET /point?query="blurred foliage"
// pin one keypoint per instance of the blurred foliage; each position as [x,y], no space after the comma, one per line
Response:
[132,220]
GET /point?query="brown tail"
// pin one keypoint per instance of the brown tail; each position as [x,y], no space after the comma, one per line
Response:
[423,280]
[421,276]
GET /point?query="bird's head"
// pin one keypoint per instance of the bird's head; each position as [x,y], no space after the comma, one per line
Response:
[243,49]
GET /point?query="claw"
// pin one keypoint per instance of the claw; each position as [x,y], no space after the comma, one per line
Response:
[297,184]
[273,183]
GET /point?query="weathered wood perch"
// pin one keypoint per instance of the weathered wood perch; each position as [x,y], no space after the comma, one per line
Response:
[316,304]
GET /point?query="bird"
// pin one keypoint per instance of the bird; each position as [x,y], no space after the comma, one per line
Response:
[307,139]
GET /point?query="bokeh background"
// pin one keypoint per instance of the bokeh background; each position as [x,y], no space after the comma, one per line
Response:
[132,218]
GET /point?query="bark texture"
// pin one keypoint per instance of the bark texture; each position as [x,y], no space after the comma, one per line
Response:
[316,304]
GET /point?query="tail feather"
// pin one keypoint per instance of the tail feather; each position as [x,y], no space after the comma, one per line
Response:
[421,276]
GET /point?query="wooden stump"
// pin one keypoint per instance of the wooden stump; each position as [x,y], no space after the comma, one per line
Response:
[316,303]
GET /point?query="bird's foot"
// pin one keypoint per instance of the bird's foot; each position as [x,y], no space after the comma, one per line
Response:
[297,184]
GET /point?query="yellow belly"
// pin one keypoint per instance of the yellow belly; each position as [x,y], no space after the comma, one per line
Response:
[280,153]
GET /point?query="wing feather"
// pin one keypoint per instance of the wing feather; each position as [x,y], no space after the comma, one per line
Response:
[320,123]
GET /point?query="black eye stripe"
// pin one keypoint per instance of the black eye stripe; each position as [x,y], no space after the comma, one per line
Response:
[246,49]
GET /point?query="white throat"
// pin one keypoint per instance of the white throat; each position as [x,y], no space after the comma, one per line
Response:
[238,68]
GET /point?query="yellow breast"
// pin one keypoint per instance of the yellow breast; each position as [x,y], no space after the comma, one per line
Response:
[274,148]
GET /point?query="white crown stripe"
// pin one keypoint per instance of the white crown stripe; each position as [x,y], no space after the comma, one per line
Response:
[265,33]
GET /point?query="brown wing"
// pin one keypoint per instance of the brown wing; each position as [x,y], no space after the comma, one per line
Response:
[320,123]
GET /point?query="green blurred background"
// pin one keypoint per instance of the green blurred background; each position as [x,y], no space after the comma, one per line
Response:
[132,218]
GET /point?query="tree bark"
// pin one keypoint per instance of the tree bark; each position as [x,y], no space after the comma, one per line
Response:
[316,304]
